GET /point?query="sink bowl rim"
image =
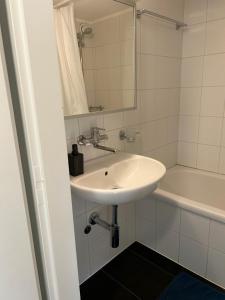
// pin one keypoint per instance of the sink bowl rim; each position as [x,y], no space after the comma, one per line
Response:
[75,181]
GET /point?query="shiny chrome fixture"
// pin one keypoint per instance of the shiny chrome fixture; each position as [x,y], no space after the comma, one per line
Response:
[85,30]
[143,11]
[94,139]
[113,228]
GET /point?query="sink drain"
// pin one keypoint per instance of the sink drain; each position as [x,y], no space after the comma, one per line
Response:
[116,187]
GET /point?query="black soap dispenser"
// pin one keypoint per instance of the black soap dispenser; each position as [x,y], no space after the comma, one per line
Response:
[76,161]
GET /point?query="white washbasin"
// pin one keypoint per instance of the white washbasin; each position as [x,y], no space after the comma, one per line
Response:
[118,178]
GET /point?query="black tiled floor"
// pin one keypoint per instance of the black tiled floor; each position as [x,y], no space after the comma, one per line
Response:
[137,273]
[143,278]
[100,287]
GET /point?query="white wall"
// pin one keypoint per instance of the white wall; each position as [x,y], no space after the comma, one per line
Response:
[159,58]
[41,100]
[202,126]
[19,277]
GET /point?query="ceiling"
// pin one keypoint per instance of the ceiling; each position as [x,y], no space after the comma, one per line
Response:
[91,10]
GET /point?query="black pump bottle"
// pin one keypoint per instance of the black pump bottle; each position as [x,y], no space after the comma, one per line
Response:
[76,161]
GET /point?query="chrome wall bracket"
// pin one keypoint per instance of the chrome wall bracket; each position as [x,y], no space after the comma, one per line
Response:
[178,24]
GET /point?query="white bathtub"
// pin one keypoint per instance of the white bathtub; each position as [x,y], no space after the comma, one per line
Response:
[197,191]
[184,220]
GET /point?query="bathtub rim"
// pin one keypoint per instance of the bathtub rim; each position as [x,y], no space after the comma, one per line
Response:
[199,208]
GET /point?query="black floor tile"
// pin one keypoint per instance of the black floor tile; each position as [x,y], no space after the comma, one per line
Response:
[138,275]
[101,287]
[166,264]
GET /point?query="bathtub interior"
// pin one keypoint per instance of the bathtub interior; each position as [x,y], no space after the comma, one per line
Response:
[200,186]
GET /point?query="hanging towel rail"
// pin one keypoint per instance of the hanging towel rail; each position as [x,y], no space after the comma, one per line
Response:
[143,11]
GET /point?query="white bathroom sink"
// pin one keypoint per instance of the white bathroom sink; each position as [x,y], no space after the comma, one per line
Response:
[118,178]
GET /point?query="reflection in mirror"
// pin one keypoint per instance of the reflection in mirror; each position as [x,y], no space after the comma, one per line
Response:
[96,49]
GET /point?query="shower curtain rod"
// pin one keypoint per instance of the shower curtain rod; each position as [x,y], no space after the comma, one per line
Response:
[143,11]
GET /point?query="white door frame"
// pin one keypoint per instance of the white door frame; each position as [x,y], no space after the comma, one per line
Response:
[18,276]
[35,56]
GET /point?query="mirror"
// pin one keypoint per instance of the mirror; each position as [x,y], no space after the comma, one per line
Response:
[98,66]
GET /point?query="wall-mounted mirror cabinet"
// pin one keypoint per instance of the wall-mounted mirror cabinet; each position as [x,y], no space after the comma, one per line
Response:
[96,45]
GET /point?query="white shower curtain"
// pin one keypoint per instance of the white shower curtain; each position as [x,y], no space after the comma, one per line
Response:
[75,98]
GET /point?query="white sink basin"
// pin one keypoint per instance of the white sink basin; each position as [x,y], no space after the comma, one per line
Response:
[118,178]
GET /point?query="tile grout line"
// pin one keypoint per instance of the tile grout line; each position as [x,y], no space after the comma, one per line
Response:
[120,284]
[150,262]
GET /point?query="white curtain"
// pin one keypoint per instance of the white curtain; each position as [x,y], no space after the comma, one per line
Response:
[75,98]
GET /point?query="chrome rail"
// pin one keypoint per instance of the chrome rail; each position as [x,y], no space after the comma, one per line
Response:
[143,11]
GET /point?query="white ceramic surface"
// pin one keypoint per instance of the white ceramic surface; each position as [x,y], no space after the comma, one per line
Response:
[118,178]
[198,191]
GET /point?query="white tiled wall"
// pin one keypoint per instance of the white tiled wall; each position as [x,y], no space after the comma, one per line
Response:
[201,122]
[156,118]
[187,238]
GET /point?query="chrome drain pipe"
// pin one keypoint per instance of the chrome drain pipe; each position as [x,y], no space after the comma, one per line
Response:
[113,228]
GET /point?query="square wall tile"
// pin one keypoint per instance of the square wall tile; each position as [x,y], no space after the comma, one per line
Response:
[148,106]
[169,41]
[167,243]
[79,205]
[170,155]
[195,227]
[148,35]
[146,209]
[215,32]
[217,232]
[212,103]
[187,154]
[168,216]
[191,72]
[161,104]
[160,133]
[208,158]
[210,129]
[148,130]
[147,77]
[190,101]
[172,129]
[223,133]
[222,161]
[146,233]
[194,40]
[113,121]
[165,154]
[172,8]
[99,251]
[167,72]
[133,117]
[72,129]
[216,267]
[82,248]
[214,70]
[195,11]
[193,255]
[173,98]
[188,128]
[216,9]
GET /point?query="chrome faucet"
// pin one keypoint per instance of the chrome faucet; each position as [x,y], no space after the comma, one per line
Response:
[94,139]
